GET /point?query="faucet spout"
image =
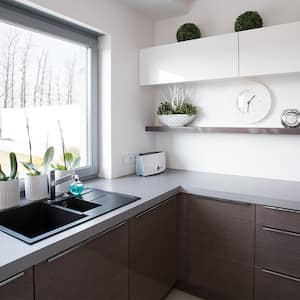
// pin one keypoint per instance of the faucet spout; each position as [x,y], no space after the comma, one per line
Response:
[53,182]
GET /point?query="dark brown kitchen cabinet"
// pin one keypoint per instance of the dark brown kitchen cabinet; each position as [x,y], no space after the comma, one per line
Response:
[182,236]
[18,287]
[95,269]
[278,250]
[271,285]
[152,248]
[277,253]
[221,248]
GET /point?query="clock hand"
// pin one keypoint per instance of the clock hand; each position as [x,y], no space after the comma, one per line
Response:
[249,102]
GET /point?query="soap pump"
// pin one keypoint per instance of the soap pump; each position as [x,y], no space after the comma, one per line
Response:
[76,187]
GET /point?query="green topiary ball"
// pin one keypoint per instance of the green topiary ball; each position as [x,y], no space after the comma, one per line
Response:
[248,20]
[188,31]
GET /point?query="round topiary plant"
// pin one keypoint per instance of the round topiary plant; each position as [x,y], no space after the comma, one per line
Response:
[188,31]
[248,20]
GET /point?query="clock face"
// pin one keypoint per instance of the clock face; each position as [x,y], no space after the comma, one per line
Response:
[253,102]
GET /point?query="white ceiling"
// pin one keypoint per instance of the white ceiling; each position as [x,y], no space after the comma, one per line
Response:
[160,9]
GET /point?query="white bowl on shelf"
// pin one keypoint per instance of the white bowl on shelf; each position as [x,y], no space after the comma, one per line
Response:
[176,120]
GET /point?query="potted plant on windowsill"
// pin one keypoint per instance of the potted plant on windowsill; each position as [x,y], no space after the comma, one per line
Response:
[174,112]
[70,162]
[9,185]
[36,181]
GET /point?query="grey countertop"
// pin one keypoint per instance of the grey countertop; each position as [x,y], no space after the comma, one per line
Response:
[16,256]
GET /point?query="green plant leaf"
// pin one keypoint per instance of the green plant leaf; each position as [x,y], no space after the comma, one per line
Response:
[13,165]
[69,160]
[3,176]
[33,171]
[48,157]
[60,167]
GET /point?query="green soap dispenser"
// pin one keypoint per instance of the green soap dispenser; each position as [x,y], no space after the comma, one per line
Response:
[76,187]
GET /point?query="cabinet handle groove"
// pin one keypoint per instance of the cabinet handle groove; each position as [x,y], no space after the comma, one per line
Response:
[281,275]
[283,209]
[5,282]
[151,209]
[290,233]
[225,200]
[52,259]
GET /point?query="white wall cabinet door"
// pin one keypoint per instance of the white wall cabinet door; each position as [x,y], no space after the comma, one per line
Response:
[201,59]
[270,50]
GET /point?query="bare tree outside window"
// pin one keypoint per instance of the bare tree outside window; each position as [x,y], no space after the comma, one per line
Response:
[45,77]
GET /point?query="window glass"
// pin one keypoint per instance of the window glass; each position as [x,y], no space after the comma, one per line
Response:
[44,80]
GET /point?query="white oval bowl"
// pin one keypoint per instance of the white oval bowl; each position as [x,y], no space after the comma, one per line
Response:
[176,120]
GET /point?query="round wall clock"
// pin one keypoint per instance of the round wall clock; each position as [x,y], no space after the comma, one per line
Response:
[253,102]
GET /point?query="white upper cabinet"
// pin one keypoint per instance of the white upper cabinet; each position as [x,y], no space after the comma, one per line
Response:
[201,59]
[270,50]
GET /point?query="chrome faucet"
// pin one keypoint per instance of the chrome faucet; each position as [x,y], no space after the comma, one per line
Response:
[54,182]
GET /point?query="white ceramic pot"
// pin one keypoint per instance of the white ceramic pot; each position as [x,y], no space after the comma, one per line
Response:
[63,187]
[36,187]
[176,120]
[9,193]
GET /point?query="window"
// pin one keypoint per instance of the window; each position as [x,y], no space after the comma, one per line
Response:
[48,76]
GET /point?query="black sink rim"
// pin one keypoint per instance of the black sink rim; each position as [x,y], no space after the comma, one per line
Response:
[85,216]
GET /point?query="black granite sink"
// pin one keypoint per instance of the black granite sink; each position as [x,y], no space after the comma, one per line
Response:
[36,221]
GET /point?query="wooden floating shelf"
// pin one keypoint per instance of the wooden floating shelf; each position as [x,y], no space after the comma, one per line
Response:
[241,130]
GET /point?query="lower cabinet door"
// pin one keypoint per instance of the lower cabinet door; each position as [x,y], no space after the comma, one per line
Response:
[220,249]
[18,287]
[271,285]
[94,270]
[152,248]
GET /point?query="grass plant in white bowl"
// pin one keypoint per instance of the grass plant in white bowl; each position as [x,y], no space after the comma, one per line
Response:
[175,112]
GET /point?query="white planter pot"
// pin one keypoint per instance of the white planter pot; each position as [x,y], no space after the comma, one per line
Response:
[63,187]
[36,187]
[9,193]
[176,120]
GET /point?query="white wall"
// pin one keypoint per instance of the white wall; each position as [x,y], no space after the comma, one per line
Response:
[246,155]
[127,107]
[218,16]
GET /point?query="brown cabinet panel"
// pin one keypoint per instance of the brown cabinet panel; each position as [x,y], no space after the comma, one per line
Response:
[97,269]
[18,287]
[221,248]
[275,286]
[182,236]
[278,250]
[152,248]
[222,230]
[278,218]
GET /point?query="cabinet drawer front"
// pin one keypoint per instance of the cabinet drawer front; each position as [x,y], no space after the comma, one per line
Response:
[281,218]
[271,285]
[18,287]
[278,250]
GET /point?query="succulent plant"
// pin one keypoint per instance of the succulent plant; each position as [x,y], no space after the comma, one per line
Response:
[188,31]
[13,168]
[248,20]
